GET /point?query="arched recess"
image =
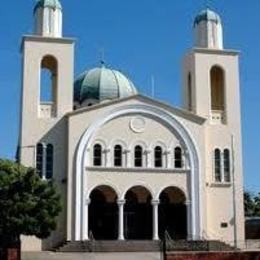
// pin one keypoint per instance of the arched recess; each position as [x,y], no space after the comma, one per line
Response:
[103,213]
[173,213]
[49,83]
[79,231]
[49,70]
[217,80]
[138,214]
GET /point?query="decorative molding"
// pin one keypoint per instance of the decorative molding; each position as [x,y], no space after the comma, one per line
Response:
[137,124]
[137,169]
[175,126]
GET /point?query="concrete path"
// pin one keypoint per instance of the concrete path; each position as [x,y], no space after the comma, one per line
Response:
[91,256]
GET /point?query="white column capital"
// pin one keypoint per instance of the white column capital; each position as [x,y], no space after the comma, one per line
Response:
[188,202]
[155,202]
[121,202]
[87,201]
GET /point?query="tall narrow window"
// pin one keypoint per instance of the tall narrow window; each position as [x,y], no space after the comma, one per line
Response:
[158,157]
[138,156]
[118,160]
[49,161]
[217,165]
[97,155]
[226,165]
[189,92]
[217,89]
[39,159]
[178,157]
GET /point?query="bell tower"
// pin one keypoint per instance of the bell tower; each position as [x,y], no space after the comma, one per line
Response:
[211,89]
[47,74]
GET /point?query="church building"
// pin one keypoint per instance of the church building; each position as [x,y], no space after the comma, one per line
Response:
[128,166]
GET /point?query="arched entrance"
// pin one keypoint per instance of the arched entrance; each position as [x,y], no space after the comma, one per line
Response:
[173,213]
[138,214]
[103,213]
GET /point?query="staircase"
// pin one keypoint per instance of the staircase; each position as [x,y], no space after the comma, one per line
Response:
[111,246]
[144,246]
[197,246]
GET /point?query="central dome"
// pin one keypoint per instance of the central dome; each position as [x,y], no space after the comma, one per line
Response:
[101,84]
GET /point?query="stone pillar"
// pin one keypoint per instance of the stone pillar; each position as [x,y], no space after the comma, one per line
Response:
[167,160]
[107,160]
[148,162]
[86,220]
[155,204]
[128,163]
[121,204]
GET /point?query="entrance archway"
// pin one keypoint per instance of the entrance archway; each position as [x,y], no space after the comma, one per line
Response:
[173,213]
[138,214]
[103,213]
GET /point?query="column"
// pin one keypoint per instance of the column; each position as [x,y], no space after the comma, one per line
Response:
[121,204]
[155,204]
[189,224]
[107,160]
[86,220]
[128,158]
[167,159]
[148,159]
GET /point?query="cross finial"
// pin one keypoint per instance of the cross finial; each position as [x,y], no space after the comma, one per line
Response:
[102,56]
[207,4]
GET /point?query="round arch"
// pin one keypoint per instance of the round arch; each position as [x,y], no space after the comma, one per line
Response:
[173,213]
[103,213]
[138,214]
[162,116]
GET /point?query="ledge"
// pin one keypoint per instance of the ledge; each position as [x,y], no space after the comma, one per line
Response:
[143,170]
[220,185]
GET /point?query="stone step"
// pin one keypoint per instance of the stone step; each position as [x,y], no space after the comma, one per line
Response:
[111,246]
[143,246]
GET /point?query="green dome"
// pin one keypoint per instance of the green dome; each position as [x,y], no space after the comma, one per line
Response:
[55,4]
[100,84]
[207,15]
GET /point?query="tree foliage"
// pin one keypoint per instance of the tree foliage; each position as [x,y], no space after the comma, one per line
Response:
[252,204]
[28,205]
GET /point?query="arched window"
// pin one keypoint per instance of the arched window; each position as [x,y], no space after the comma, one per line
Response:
[217,89]
[118,158]
[48,79]
[217,165]
[158,157]
[39,159]
[189,92]
[178,157]
[226,165]
[49,161]
[138,156]
[97,155]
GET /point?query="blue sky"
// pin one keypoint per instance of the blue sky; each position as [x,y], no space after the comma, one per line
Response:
[141,38]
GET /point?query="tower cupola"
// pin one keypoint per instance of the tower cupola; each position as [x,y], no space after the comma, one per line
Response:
[208,30]
[48,18]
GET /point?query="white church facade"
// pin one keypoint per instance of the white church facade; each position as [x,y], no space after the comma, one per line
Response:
[130,167]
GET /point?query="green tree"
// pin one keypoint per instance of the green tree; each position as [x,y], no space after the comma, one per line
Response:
[252,204]
[28,205]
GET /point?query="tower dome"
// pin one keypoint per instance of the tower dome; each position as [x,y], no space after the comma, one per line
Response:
[101,84]
[48,18]
[54,4]
[208,30]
